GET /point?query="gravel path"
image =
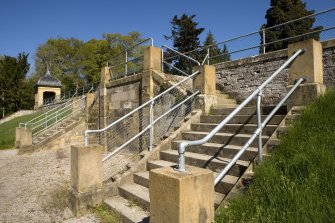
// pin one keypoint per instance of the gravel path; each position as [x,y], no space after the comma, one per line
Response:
[33,188]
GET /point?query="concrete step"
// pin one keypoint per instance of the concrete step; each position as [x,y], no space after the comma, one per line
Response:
[297,110]
[223,138]
[205,161]
[272,144]
[222,95]
[128,213]
[290,119]
[222,100]
[233,128]
[218,150]
[136,195]
[219,110]
[240,119]
[154,164]
[223,187]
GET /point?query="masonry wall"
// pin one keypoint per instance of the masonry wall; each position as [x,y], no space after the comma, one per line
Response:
[240,78]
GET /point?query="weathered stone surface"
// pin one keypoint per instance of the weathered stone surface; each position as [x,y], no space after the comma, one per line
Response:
[240,77]
[181,197]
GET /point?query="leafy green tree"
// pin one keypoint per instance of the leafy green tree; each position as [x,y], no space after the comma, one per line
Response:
[282,11]
[185,36]
[75,62]
[214,51]
[12,82]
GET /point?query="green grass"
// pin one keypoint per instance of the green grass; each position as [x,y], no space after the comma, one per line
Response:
[7,130]
[106,215]
[297,183]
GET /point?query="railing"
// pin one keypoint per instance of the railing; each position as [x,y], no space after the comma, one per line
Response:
[260,125]
[132,60]
[78,91]
[248,44]
[144,126]
[54,116]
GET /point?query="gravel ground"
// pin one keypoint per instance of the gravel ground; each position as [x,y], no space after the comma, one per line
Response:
[33,188]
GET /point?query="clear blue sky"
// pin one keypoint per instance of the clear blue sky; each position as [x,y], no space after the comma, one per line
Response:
[26,24]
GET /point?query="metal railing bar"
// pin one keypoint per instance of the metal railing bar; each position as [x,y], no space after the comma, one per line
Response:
[256,133]
[206,57]
[176,106]
[123,63]
[183,145]
[170,65]
[137,44]
[181,54]
[138,108]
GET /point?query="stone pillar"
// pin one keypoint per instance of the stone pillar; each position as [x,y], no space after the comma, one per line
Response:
[89,99]
[86,178]
[24,139]
[205,82]
[309,66]
[181,197]
[152,61]
[103,104]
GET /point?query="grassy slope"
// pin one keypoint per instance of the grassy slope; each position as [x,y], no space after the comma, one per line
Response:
[297,184]
[7,130]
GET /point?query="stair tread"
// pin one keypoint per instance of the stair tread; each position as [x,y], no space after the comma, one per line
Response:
[206,157]
[162,163]
[231,124]
[137,191]
[132,213]
[218,145]
[228,178]
[223,134]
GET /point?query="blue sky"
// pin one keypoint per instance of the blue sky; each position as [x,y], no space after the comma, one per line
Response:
[26,24]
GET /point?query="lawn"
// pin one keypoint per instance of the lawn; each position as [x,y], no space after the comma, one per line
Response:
[7,130]
[296,184]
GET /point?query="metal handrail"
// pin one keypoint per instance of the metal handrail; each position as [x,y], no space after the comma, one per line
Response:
[151,101]
[257,132]
[262,30]
[181,54]
[257,92]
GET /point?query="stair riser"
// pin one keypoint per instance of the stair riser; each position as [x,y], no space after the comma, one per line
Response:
[225,140]
[141,181]
[241,129]
[151,166]
[236,170]
[240,119]
[134,199]
[221,100]
[218,152]
[248,111]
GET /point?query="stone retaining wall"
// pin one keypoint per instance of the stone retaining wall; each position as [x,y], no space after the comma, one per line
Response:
[240,78]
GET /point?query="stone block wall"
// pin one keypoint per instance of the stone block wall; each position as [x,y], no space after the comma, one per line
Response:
[241,77]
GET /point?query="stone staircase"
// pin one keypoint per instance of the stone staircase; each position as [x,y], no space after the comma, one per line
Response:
[132,201]
[56,131]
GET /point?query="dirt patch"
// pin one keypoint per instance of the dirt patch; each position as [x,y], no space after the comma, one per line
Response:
[33,188]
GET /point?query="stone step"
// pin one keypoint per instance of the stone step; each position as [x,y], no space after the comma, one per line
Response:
[228,101]
[218,150]
[205,161]
[233,128]
[222,95]
[297,110]
[223,187]
[222,138]
[290,119]
[281,131]
[154,164]
[128,213]
[136,195]
[219,110]
[240,119]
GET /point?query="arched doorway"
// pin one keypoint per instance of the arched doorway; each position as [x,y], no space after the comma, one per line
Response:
[48,97]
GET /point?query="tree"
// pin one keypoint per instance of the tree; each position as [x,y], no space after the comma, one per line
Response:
[75,62]
[214,51]
[12,82]
[282,11]
[185,36]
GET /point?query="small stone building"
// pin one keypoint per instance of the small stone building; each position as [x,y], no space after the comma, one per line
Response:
[47,89]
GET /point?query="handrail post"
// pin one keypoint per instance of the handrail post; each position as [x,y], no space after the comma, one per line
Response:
[263,33]
[208,56]
[259,126]
[151,117]
[126,64]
